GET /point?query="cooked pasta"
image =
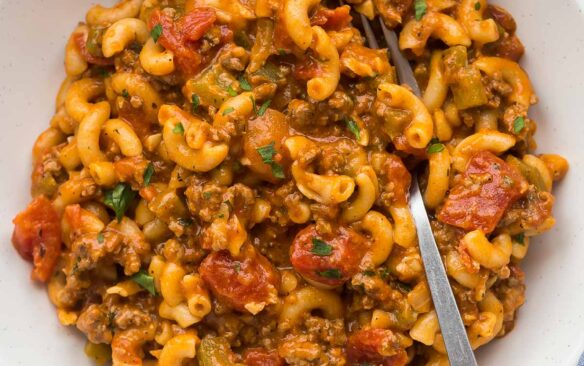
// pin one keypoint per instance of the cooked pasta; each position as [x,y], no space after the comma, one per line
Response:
[227,182]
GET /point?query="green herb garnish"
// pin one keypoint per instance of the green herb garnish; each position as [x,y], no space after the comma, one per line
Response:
[244,84]
[320,248]
[231,91]
[179,129]
[267,153]
[148,174]
[195,102]
[477,6]
[143,279]
[520,238]
[156,32]
[100,237]
[353,127]
[332,273]
[119,199]
[125,94]
[518,124]
[264,107]
[420,8]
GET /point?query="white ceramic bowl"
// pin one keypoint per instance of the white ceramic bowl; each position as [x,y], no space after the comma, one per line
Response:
[550,326]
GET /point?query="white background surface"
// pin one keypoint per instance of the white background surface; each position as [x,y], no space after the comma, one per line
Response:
[550,326]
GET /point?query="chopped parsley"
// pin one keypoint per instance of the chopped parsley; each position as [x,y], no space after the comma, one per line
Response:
[125,94]
[119,199]
[143,279]
[320,248]
[384,273]
[267,153]
[195,102]
[282,52]
[207,195]
[228,110]
[369,273]
[244,84]
[520,238]
[264,107]
[100,237]
[353,127]
[332,273]
[148,174]
[179,129]
[156,32]
[434,146]
[237,267]
[477,6]
[518,124]
[231,91]
[403,287]
[420,8]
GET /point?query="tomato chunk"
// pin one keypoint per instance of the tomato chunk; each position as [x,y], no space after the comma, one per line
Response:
[262,357]
[37,237]
[379,346]
[307,68]
[329,259]
[396,180]
[487,187]
[181,36]
[332,19]
[237,282]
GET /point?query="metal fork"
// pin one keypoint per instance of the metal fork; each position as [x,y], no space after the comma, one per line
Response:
[457,345]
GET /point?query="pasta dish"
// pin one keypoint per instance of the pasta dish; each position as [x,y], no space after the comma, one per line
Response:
[226,182]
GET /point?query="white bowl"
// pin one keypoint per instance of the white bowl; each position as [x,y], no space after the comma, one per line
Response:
[550,326]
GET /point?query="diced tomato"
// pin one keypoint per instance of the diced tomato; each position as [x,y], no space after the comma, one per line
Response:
[249,278]
[81,43]
[330,259]
[380,346]
[397,179]
[181,36]
[307,68]
[332,19]
[262,357]
[37,237]
[487,188]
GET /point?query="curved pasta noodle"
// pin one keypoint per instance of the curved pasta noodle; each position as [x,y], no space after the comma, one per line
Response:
[381,231]
[122,33]
[419,131]
[136,85]
[511,73]
[493,141]
[328,189]
[124,136]
[415,33]
[491,255]
[438,178]
[241,106]
[425,328]
[209,156]
[156,60]
[89,132]
[405,231]
[323,85]
[178,349]
[489,322]
[366,181]
[75,63]
[78,100]
[98,15]
[437,89]
[470,15]
[308,299]
[297,21]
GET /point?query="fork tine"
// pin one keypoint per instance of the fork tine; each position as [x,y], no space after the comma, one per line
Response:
[369,35]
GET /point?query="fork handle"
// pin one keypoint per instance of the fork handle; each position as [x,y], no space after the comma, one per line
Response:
[458,347]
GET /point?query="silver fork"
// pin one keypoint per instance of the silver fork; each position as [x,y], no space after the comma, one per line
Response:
[457,345]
